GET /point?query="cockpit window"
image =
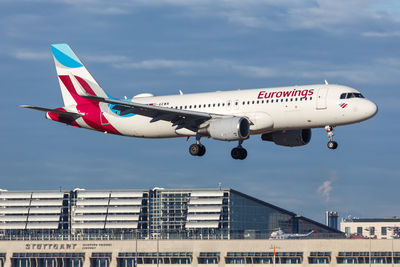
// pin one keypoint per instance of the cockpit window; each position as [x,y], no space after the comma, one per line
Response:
[351,95]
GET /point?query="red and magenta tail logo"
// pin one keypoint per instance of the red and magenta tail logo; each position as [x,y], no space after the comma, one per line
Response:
[343,105]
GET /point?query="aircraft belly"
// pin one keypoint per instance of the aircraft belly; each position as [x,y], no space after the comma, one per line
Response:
[140,126]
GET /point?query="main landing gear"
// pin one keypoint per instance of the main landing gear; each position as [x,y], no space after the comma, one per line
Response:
[197,149]
[331,144]
[239,152]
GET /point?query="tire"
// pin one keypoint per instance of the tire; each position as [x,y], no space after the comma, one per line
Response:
[194,149]
[235,153]
[243,154]
[202,151]
[332,145]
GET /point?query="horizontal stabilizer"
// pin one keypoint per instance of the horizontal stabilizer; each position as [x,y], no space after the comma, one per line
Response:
[58,111]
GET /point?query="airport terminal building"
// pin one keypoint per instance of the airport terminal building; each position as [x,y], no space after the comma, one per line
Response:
[170,227]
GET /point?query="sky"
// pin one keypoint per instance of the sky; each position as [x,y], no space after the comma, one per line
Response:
[161,47]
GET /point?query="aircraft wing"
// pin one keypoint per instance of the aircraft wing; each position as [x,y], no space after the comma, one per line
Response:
[182,118]
[58,111]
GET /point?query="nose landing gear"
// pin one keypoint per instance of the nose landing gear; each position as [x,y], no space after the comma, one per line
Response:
[331,144]
[239,152]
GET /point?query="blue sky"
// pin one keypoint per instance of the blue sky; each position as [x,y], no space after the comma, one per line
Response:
[162,47]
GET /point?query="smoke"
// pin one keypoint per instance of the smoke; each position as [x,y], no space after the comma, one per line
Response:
[325,189]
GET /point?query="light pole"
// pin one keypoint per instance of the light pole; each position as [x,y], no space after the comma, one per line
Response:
[369,229]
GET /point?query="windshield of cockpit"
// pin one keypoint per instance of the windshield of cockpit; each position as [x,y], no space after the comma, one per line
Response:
[351,95]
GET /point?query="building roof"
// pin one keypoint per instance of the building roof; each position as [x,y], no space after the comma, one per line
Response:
[372,220]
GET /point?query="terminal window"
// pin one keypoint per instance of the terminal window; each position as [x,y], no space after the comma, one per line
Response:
[208,258]
[155,258]
[319,258]
[362,257]
[264,258]
[47,259]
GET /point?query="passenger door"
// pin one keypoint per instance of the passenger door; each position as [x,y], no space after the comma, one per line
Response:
[322,98]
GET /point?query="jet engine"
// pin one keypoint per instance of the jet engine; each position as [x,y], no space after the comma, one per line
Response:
[227,129]
[289,137]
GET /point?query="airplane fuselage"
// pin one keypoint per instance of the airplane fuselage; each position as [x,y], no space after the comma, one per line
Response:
[297,107]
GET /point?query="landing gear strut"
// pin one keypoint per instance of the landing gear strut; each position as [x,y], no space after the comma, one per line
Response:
[197,149]
[331,144]
[239,152]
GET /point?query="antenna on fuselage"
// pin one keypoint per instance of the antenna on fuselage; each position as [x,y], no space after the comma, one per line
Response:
[326,82]
[180,92]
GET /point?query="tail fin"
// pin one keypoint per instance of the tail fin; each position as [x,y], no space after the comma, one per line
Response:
[71,70]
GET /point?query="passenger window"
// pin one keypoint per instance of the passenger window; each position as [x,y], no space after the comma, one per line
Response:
[252,102]
[195,106]
[209,105]
[310,97]
[281,100]
[213,105]
[185,107]
[190,106]
[266,101]
[287,100]
[258,101]
[244,102]
[248,102]
[272,101]
[262,101]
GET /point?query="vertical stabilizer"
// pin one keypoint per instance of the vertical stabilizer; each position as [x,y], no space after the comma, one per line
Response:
[70,70]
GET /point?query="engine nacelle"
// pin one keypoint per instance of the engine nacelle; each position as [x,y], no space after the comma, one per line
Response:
[289,137]
[227,129]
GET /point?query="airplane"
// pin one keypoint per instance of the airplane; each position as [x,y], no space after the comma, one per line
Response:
[283,115]
[282,235]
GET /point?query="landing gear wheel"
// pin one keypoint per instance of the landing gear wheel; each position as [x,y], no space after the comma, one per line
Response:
[197,150]
[194,149]
[239,153]
[332,145]
[202,151]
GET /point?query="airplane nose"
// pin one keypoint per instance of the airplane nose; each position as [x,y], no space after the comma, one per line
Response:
[370,109]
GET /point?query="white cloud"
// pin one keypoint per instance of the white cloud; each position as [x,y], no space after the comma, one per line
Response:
[159,64]
[35,56]
[106,58]
[255,71]
[381,34]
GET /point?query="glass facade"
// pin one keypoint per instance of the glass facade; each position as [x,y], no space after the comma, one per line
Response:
[47,259]
[264,258]
[363,257]
[250,217]
[147,214]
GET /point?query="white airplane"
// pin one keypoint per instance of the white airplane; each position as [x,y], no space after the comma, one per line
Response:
[283,115]
[282,235]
